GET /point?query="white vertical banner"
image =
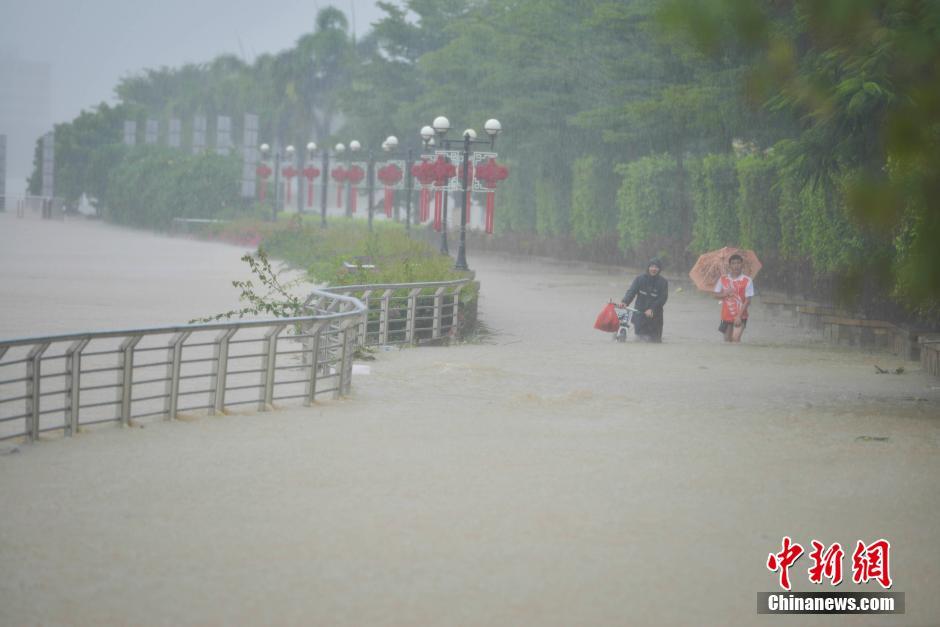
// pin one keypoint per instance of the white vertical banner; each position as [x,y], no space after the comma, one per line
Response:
[48,165]
[223,135]
[199,134]
[250,156]
[151,130]
[173,136]
[130,132]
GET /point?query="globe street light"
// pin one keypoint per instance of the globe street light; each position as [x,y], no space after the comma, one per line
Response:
[390,146]
[441,125]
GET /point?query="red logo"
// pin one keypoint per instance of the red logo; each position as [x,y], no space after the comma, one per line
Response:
[869,562]
[783,560]
[826,563]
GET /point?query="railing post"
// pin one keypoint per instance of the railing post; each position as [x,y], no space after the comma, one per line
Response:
[269,368]
[220,369]
[410,321]
[455,308]
[344,355]
[364,325]
[173,374]
[383,317]
[127,377]
[73,384]
[313,329]
[348,351]
[33,384]
[438,313]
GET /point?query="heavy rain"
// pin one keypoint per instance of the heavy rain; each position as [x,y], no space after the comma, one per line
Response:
[477,312]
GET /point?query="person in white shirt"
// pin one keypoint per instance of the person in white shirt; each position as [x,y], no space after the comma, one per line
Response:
[735,291]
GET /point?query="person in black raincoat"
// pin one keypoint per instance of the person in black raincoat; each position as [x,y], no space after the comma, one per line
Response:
[651,291]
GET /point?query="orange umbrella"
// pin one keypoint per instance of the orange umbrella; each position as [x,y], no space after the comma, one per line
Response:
[712,265]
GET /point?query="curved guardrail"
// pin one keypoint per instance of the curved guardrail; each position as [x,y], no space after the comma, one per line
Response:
[64,382]
[405,313]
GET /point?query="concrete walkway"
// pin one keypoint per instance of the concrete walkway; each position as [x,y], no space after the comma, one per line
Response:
[547,477]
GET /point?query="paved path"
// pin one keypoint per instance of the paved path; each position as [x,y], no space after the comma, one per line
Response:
[549,476]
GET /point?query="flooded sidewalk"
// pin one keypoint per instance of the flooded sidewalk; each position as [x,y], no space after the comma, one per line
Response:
[546,475]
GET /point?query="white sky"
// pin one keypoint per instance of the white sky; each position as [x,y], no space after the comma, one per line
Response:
[90,44]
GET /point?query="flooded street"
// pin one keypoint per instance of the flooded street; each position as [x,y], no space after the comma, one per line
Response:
[546,475]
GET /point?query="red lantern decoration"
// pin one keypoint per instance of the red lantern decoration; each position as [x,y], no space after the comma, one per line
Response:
[491,173]
[289,173]
[389,174]
[310,173]
[339,175]
[354,175]
[263,172]
[443,171]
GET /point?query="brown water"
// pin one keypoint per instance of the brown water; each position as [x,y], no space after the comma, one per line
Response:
[548,476]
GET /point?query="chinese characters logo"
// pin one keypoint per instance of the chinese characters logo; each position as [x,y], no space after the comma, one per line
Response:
[869,562]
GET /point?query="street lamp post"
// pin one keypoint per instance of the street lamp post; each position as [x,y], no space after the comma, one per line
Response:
[288,155]
[441,126]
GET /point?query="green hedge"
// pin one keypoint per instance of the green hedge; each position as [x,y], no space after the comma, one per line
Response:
[152,185]
[650,204]
[714,189]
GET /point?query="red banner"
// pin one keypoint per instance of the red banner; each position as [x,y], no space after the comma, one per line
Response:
[263,172]
[339,175]
[289,173]
[491,173]
[423,201]
[310,173]
[490,207]
[389,199]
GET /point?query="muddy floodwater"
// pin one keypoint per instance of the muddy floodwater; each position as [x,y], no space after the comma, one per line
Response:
[544,476]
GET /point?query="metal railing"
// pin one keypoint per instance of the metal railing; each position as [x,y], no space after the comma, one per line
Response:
[404,313]
[64,382]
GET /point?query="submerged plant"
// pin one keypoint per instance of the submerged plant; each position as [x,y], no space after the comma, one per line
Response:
[270,297]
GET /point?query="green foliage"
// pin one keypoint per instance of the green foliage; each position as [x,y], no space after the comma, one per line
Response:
[153,185]
[715,191]
[551,210]
[757,203]
[592,215]
[861,76]
[817,224]
[650,203]
[844,90]
[322,252]
[275,300]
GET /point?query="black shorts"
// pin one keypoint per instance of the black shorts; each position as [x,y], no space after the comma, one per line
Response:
[725,324]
